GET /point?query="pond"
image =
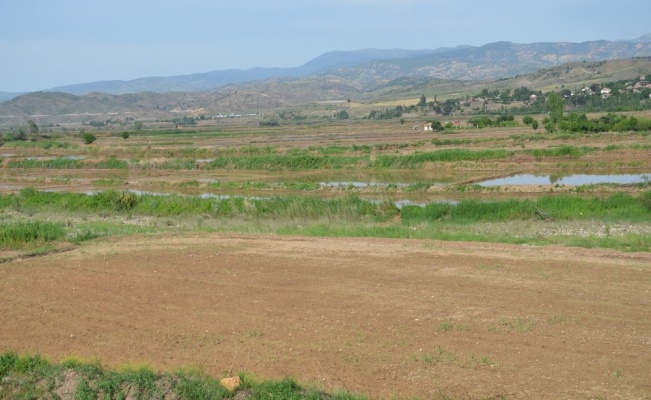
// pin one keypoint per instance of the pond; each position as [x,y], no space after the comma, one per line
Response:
[579,179]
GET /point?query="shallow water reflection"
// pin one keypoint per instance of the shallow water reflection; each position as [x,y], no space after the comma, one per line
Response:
[579,179]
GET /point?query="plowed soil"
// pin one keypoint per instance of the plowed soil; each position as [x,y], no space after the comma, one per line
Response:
[380,317]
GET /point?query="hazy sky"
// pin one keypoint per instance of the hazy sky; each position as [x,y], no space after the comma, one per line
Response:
[48,43]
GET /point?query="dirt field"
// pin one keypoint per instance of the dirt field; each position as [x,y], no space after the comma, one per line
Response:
[385,318]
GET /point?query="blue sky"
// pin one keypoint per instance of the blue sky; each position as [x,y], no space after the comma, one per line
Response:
[46,43]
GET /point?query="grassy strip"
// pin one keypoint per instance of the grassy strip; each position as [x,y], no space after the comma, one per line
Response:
[563,151]
[57,163]
[332,158]
[464,233]
[469,220]
[618,206]
[304,161]
[30,377]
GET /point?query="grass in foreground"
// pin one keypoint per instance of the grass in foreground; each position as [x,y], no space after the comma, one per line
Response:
[30,377]
[620,221]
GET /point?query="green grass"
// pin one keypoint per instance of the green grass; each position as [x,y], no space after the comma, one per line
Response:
[562,151]
[19,234]
[567,207]
[450,155]
[103,214]
[618,206]
[30,377]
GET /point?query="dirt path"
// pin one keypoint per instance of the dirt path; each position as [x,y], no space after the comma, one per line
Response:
[375,316]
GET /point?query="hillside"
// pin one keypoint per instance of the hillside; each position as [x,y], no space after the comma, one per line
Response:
[214,79]
[493,61]
[373,68]
[273,94]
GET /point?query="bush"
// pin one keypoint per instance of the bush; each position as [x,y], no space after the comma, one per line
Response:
[89,138]
[271,122]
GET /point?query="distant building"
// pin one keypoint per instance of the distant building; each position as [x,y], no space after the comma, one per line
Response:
[605,93]
[428,126]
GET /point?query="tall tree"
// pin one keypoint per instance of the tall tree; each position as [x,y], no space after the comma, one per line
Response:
[555,104]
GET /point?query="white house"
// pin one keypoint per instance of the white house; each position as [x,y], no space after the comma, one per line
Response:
[605,93]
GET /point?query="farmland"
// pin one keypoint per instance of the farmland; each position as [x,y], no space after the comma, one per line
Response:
[359,254]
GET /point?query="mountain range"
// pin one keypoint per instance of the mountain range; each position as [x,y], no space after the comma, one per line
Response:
[369,75]
[372,67]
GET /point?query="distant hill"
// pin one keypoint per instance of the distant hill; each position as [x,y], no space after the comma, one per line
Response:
[493,61]
[277,93]
[214,79]
[374,67]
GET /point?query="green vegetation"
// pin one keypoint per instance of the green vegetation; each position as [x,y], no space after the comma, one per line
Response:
[573,122]
[501,120]
[387,113]
[18,234]
[30,377]
[347,216]
[616,206]
[89,137]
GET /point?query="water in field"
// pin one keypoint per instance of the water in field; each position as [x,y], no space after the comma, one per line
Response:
[44,158]
[575,180]
[398,203]
[360,184]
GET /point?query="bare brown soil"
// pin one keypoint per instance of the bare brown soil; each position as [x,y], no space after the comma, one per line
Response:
[385,318]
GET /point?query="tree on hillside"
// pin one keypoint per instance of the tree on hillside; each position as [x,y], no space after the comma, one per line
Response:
[423,101]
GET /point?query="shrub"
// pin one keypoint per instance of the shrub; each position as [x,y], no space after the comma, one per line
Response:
[89,138]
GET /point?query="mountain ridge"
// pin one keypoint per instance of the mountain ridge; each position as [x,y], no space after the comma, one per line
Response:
[275,94]
[494,60]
